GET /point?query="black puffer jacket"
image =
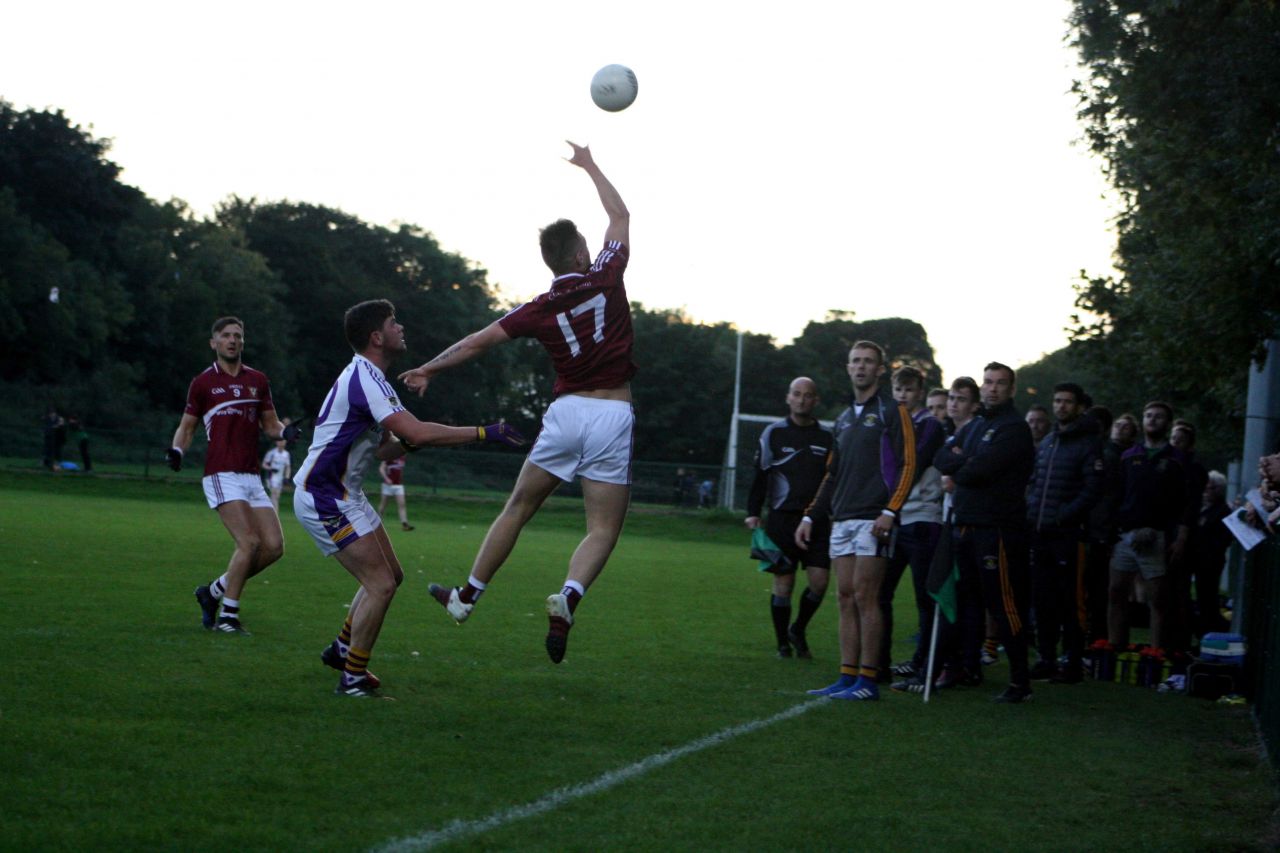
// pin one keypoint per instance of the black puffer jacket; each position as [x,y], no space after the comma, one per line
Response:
[1068,477]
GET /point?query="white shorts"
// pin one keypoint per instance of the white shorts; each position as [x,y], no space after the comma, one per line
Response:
[355,518]
[388,490]
[226,487]
[276,481]
[586,437]
[854,537]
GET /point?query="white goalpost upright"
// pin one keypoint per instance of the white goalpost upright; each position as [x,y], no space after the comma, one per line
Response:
[729,477]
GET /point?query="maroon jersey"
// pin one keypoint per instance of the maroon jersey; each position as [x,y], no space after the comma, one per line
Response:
[395,470]
[230,407]
[584,323]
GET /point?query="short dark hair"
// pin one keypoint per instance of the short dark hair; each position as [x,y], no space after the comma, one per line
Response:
[362,320]
[869,345]
[1159,404]
[995,365]
[1187,425]
[967,383]
[559,244]
[222,322]
[1037,407]
[934,392]
[908,375]
[1103,416]
[1070,388]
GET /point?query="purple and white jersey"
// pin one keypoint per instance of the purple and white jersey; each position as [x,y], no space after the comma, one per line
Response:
[347,434]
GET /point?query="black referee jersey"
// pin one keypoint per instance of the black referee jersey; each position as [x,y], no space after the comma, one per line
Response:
[790,463]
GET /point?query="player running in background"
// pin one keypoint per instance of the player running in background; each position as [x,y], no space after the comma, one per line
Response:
[234,401]
[392,473]
[790,463]
[356,422]
[278,467]
[584,323]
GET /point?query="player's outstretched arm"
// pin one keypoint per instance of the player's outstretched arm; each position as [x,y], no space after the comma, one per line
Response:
[472,345]
[413,434]
[619,217]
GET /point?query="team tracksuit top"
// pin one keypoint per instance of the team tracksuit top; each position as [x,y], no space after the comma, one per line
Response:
[992,470]
[872,465]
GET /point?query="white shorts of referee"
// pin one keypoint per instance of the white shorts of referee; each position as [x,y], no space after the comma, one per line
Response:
[586,437]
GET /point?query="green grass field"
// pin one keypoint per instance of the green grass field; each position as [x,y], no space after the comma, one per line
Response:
[127,726]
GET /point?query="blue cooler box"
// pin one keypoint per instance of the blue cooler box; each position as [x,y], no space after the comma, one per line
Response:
[1225,649]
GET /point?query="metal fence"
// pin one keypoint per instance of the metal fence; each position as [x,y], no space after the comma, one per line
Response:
[489,471]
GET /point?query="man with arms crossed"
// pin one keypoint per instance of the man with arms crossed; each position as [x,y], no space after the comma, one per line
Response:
[356,422]
[234,401]
[870,472]
[990,463]
[584,323]
[790,463]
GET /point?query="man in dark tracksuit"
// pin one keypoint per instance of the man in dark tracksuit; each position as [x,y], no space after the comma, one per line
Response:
[870,472]
[991,464]
[1064,488]
[790,463]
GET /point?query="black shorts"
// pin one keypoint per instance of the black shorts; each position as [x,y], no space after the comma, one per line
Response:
[780,526]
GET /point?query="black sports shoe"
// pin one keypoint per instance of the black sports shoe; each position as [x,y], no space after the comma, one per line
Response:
[801,642]
[906,669]
[1014,695]
[910,684]
[230,625]
[333,659]
[784,651]
[1043,670]
[208,607]
[361,688]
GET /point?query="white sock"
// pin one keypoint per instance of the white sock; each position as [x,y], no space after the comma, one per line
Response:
[219,587]
[576,587]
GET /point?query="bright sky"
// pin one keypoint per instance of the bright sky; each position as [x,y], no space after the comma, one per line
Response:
[890,159]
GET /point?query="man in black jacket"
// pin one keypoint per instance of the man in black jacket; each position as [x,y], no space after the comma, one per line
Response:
[1064,488]
[991,464]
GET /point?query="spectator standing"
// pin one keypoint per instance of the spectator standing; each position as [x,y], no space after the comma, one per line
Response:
[1064,488]
[1039,422]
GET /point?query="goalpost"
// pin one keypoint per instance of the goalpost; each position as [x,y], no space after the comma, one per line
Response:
[729,475]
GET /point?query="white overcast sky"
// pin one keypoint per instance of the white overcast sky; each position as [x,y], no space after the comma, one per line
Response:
[890,159]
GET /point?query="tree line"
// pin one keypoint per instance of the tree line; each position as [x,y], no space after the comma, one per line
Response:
[106,297]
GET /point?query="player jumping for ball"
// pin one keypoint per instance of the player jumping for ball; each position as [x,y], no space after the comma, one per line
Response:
[584,323]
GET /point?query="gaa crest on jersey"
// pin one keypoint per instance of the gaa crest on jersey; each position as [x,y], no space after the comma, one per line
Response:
[253,390]
[870,419]
[394,400]
[990,563]
[986,436]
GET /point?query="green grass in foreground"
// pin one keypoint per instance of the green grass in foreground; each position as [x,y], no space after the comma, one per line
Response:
[126,726]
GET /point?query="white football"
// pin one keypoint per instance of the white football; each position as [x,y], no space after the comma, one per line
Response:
[614,88]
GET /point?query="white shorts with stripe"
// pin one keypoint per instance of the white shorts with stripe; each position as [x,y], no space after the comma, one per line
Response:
[226,487]
[355,518]
[586,437]
[855,537]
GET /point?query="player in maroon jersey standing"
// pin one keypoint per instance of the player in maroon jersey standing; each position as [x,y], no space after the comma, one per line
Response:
[584,323]
[234,401]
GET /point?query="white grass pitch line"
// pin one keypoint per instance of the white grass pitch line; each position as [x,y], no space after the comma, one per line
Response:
[460,829]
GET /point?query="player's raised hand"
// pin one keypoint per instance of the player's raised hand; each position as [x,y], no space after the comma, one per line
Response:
[174,457]
[581,155]
[504,433]
[415,380]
